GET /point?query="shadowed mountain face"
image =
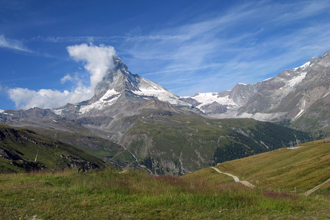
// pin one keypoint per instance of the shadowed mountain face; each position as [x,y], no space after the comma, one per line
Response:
[25,150]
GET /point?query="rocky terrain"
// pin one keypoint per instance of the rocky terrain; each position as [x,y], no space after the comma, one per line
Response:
[296,97]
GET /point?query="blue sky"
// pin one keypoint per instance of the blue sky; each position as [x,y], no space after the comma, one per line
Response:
[53,52]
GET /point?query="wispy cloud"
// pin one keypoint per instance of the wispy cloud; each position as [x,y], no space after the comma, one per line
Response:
[245,44]
[12,44]
[103,39]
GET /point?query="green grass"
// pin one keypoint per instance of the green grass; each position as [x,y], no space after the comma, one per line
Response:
[21,146]
[109,194]
[284,169]
[99,147]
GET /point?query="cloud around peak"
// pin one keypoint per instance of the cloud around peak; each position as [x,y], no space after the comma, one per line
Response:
[97,60]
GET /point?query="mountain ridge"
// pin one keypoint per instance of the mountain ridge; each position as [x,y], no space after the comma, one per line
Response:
[163,131]
[285,97]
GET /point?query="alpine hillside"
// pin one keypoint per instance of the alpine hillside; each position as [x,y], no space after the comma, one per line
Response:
[25,150]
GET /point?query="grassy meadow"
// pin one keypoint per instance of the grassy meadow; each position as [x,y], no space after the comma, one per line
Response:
[111,194]
[205,194]
[302,168]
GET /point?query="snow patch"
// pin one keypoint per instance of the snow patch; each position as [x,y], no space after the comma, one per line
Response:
[267,79]
[209,98]
[102,102]
[57,111]
[307,64]
[149,88]
[296,80]
[1,111]
[262,116]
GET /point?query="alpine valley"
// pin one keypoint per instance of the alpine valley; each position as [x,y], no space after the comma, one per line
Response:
[132,121]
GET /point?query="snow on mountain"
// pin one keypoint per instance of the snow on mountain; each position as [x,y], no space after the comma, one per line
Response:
[267,79]
[149,88]
[224,104]
[302,67]
[209,98]
[119,85]
[58,111]
[106,100]
[297,79]
[271,99]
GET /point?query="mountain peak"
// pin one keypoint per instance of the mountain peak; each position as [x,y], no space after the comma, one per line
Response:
[118,79]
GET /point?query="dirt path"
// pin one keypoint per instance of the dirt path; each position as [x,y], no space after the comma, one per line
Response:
[307,193]
[245,183]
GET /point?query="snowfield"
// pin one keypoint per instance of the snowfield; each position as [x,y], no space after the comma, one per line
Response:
[106,100]
[209,98]
[149,88]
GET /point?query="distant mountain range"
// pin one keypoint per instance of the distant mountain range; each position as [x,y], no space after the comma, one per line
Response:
[129,110]
[299,97]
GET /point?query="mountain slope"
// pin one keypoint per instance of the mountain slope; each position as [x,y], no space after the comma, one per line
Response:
[292,91]
[118,95]
[302,167]
[167,142]
[285,97]
[224,104]
[25,150]
[104,149]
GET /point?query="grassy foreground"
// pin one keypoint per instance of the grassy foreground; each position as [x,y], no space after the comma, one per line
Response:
[109,194]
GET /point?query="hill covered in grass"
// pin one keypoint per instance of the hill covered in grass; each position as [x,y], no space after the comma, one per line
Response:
[104,149]
[25,150]
[299,168]
[205,194]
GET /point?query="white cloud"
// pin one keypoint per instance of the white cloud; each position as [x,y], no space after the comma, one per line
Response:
[67,78]
[97,59]
[47,98]
[12,44]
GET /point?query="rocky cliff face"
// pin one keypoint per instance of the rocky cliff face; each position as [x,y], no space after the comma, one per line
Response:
[242,93]
[290,94]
